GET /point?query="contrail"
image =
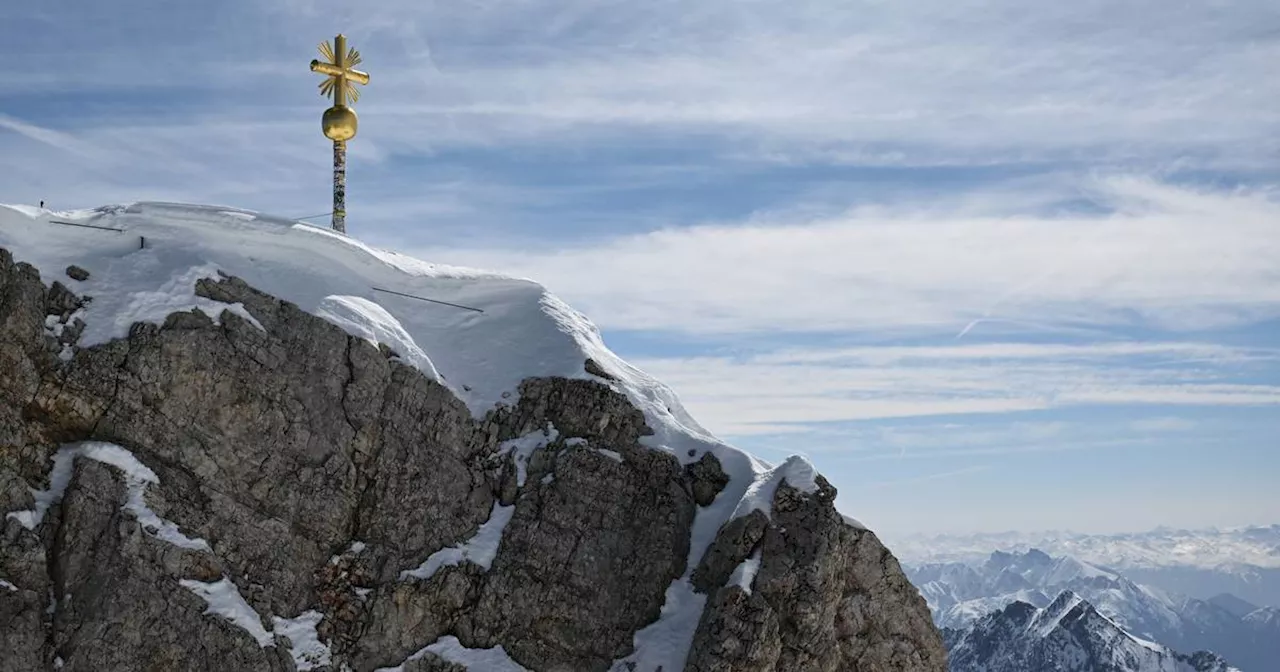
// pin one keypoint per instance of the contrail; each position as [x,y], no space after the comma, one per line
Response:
[969,327]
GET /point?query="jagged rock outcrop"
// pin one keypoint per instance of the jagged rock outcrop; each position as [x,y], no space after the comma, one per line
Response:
[317,469]
[115,585]
[827,596]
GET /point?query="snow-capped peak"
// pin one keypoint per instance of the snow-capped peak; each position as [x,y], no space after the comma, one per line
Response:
[1051,616]
[1068,635]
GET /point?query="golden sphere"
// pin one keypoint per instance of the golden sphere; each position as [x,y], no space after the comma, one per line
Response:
[339,123]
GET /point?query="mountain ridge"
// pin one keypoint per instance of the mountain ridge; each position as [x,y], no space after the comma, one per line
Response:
[1068,635]
[1245,546]
[960,594]
[222,447]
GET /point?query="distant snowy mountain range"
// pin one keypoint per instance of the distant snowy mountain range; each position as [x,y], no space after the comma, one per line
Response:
[973,598]
[1067,635]
[1241,561]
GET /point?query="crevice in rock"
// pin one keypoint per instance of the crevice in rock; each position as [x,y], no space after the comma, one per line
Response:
[226,320]
[53,552]
[365,463]
[120,368]
[346,388]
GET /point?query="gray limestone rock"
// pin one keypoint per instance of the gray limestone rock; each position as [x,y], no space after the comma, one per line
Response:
[708,478]
[410,615]
[284,445]
[733,544]
[62,301]
[24,596]
[586,560]
[738,631]
[119,605]
[838,598]
[593,368]
[24,356]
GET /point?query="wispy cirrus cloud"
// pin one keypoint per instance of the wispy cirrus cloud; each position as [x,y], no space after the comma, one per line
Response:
[926,81]
[57,140]
[1146,86]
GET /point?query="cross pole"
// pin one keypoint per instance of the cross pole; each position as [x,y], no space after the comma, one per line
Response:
[339,122]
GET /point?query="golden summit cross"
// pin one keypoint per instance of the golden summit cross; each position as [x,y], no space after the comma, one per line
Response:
[339,122]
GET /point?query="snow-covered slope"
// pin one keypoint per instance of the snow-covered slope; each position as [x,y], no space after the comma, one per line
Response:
[1068,635]
[145,267]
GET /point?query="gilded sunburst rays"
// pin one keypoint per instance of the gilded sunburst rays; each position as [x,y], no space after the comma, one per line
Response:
[339,84]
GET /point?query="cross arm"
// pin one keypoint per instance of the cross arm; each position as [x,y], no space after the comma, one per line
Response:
[335,71]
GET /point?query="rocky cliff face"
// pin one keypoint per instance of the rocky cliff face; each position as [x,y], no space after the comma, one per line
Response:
[223,493]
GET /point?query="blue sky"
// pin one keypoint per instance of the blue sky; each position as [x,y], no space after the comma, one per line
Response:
[991,265]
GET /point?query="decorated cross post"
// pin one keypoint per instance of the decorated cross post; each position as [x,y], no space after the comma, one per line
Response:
[339,121]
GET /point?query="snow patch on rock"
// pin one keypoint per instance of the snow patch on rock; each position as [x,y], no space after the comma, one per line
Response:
[480,549]
[305,645]
[223,599]
[137,477]
[664,644]
[853,522]
[744,575]
[368,320]
[611,454]
[797,472]
[521,449]
[451,650]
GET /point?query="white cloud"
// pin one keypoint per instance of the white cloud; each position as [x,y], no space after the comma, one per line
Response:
[925,82]
[1163,256]
[812,81]
[752,395]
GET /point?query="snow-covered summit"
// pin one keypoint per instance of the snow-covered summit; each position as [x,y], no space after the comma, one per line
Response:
[145,260]
[146,257]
